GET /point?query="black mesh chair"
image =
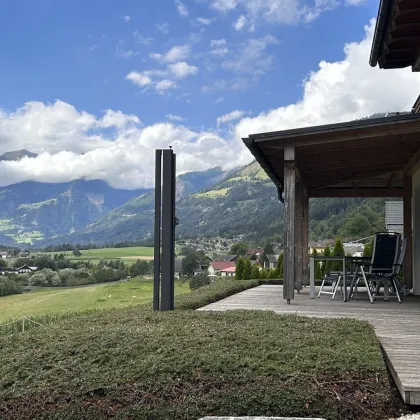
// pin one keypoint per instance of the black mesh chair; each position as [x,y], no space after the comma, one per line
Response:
[381,269]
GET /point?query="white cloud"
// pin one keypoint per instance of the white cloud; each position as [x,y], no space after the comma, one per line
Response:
[94,47]
[177,53]
[219,52]
[142,39]
[163,27]
[252,57]
[139,79]
[204,21]
[74,144]
[224,5]
[182,69]
[126,19]
[240,23]
[182,9]
[165,84]
[231,116]
[219,99]
[341,91]
[217,42]
[173,117]
[278,11]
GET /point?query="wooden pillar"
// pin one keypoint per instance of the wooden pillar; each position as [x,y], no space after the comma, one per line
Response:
[305,244]
[289,223]
[299,227]
[408,231]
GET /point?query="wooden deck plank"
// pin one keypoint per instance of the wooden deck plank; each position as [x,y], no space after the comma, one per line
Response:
[396,325]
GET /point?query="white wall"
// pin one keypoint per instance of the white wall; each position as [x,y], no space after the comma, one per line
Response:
[416,233]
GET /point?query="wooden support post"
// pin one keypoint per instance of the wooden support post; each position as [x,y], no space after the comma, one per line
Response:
[408,231]
[305,245]
[299,187]
[289,223]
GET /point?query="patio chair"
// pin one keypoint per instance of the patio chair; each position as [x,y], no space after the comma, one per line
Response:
[330,279]
[383,265]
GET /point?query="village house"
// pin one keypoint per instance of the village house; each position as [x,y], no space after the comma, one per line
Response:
[26,269]
[271,261]
[225,258]
[217,266]
[228,272]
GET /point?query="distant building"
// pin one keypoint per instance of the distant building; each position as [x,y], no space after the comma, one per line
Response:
[233,258]
[23,254]
[394,219]
[228,272]
[4,255]
[319,246]
[216,267]
[26,269]
[271,261]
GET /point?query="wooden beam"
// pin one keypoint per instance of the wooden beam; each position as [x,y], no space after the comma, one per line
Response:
[391,180]
[408,231]
[356,192]
[289,225]
[413,164]
[299,187]
[305,245]
[334,178]
[343,134]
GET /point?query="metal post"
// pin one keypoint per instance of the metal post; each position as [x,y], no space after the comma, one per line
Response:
[168,238]
[158,205]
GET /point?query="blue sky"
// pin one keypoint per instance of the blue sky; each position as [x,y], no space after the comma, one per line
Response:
[210,68]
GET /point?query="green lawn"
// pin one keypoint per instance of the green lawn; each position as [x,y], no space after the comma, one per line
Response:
[110,253]
[134,363]
[42,302]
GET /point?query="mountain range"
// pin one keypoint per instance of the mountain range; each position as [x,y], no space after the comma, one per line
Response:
[209,203]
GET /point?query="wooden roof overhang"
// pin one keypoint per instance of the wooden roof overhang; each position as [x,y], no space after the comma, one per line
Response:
[396,41]
[363,158]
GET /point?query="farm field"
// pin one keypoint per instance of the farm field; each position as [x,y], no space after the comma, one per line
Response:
[46,301]
[129,254]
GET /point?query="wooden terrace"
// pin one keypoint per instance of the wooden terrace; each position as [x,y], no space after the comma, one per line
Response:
[397,325]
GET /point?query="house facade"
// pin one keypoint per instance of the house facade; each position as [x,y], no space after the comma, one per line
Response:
[216,267]
[228,272]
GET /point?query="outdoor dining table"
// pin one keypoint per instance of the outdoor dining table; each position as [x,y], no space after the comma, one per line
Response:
[354,261]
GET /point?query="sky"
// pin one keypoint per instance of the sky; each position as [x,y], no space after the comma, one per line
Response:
[94,87]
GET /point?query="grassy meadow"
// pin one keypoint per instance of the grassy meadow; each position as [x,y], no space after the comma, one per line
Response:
[47,301]
[128,254]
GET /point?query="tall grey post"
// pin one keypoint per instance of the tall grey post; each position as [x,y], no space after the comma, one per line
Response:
[165,222]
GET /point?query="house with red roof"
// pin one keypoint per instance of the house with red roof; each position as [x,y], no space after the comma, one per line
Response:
[228,272]
[216,267]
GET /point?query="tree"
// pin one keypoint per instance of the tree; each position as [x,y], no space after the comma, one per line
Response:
[239,248]
[272,274]
[255,271]
[368,249]
[263,274]
[338,251]
[45,261]
[326,265]
[139,268]
[240,265]
[3,263]
[317,265]
[189,264]
[280,265]
[268,248]
[77,253]
[246,275]
[199,281]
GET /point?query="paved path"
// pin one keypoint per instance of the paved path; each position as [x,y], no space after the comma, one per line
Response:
[396,325]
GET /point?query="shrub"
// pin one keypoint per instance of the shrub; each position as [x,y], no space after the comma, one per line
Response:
[246,274]
[38,279]
[9,287]
[240,265]
[198,281]
[255,272]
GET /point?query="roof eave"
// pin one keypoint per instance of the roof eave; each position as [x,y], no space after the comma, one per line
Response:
[265,164]
[381,22]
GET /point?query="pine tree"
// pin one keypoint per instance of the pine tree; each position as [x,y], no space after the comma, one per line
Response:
[246,274]
[240,265]
[338,252]
[317,264]
[272,274]
[263,274]
[326,265]
[280,266]
[255,272]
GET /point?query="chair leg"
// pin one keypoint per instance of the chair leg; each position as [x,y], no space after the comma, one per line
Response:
[366,284]
[336,287]
[396,289]
[322,286]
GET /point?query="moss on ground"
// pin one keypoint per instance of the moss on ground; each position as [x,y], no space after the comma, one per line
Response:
[135,363]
